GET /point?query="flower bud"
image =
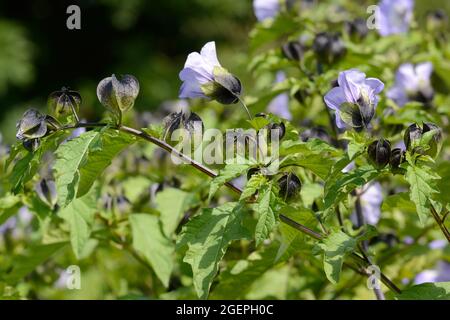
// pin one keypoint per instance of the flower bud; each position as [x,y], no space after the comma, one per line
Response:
[118,94]
[379,153]
[357,29]
[32,125]
[252,171]
[397,158]
[315,133]
[46,191]
[328,47]
[414,135]
[290,186]
[278,128]
[436,142]
[293,50]
[186,120]
[31,144]
[64,102]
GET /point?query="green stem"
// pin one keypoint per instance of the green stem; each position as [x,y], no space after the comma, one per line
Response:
[74,112]
[143,135]
[245,107]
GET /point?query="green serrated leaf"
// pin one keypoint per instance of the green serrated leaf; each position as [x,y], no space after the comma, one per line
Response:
[80,161]
[69,157]
[335,247]
[338,187]
[25,168]
[79,214]
[150,241]
[266,215]
[8,206]
[207,237]
[172,204]
[229,172]
[254,184]
[243,274]
[427,291]
[23,265]
[422,182]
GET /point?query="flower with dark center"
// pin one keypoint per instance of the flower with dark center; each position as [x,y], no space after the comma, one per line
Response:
[354,100]
[328,47]
[412,83]
[64,102]
[204,77]
[290,186]
[379,153]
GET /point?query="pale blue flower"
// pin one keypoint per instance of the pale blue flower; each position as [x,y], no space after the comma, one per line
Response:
[198,70]
[412,83]
[354,99]
[280,104]
[439,274]
[394,16]
[204,77]
[266,9]
[371,200]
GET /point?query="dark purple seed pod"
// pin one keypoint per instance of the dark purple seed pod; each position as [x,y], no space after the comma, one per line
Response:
[379,153]
[397,158]
[290,186]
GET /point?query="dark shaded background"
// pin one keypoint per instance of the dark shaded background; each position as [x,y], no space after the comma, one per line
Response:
[149,39]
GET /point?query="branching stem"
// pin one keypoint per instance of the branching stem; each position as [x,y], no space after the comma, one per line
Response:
[305,230]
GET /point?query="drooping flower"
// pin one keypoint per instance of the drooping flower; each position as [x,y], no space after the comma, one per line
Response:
[412,83]
[440,274]
[394,16]
[280,104]
[204,77]
[354,99]
[371,199]
[266,9]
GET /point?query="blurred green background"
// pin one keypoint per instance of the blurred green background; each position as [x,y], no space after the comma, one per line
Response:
[149,39]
